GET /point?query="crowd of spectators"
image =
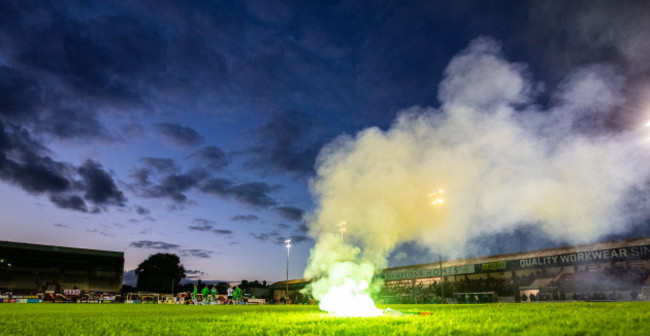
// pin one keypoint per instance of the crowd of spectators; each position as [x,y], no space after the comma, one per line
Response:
[502,287]
[432,293]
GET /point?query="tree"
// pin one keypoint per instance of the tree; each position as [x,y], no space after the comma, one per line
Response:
[222,288]
[256,284]
[160,273]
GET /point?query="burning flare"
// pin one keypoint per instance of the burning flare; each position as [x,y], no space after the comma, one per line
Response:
[343,282]
[350,299]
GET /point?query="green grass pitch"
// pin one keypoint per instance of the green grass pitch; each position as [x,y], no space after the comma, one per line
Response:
[482,319]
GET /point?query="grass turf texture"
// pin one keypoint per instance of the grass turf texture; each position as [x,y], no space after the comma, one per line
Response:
[482,319]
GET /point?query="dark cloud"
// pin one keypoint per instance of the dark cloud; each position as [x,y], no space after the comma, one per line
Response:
[201,225]
[198,253]
[222,232]
[290,213]
[276,238]
[194,274]
[156,245]
[60,225]
[19,95]
[154,167]
[299,239]
[287,142]
[152,181]
[142,211]
[89,49]
[303,228]
[24,162]
[211,157]
[283,226]
[73,202]
[218,186]
[135,55]
[103,233]
[38,174]
[99,186]
[245,218]
[174,186]
[161,165]
[141,176]
[77,75]
[265,236]
[254,193]
[179,135]
[295,239]
[67,123]
[202,221]
[251,193]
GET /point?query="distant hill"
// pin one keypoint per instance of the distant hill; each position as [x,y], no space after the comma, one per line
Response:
[206,282]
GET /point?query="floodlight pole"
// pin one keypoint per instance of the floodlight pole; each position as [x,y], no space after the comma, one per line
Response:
[437,201]
[288,245]
[442,278]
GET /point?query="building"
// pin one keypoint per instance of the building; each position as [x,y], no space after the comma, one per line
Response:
[294,286]
[614,270]
[33,268]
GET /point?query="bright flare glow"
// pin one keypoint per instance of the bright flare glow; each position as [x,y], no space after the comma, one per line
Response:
[350,299]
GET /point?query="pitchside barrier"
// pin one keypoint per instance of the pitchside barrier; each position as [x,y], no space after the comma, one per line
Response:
[12,300]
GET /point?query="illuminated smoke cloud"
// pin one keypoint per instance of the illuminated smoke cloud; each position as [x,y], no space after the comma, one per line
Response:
[496,162]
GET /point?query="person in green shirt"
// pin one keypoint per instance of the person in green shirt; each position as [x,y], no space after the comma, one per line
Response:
[195,294]
[204,295]
[237,295]
[213,292]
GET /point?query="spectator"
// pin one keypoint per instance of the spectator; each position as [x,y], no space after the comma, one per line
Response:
[230,292]
[204,295]
[237,295]
[195,294]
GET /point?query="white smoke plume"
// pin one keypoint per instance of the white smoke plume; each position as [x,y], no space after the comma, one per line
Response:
[495,159]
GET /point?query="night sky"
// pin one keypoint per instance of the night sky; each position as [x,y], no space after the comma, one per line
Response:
[193,127]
